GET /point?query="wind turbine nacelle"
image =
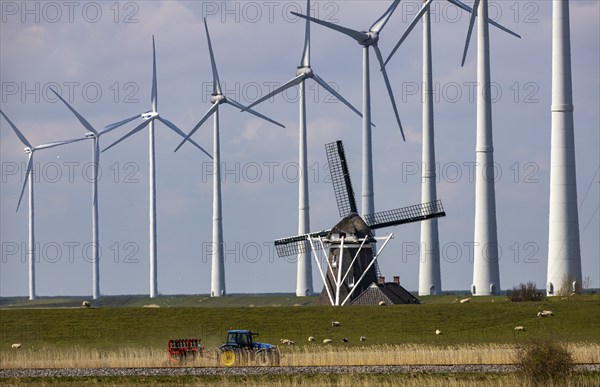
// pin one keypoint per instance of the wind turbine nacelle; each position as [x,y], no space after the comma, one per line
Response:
[90,135]
[373,38]
[306,71]
[149,115]
[217,98]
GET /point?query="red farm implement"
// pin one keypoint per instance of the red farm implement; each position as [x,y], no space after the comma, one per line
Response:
[184,349]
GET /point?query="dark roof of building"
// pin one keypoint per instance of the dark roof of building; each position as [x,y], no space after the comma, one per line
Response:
[351,224]
[390,292]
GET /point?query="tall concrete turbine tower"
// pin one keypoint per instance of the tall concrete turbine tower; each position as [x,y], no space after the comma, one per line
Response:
[486,273]
[564,257]
[430,279]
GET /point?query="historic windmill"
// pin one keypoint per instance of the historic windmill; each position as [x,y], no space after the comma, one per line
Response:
[351,261]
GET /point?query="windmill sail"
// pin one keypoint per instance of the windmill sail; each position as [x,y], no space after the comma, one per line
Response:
[340,178]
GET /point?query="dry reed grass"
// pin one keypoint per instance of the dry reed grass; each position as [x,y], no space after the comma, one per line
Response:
[313,355]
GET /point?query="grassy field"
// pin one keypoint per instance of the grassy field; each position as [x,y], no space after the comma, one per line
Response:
[127,332]
[446,380]
[479,322]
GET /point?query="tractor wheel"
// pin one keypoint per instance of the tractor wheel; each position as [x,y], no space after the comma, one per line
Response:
[229,357]
[267,358]
[263,358]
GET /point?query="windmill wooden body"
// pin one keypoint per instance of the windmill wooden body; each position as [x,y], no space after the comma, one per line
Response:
[350,264]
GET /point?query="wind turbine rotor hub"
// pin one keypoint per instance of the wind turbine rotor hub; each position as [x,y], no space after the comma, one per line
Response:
[149,115]
[28,150]
[217,98]
[306,71]
[371,39]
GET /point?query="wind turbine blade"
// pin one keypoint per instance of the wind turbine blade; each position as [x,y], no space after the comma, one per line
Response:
[306,54]
[216,82]
[209,113]
[470,31]
[337,95]
[179,132]
[28,172]
[131,133]
[154,85]
[18,133]
[389,88]
[110,127]
[83,121]
[409,30]
[360,37]
[247,110]
[379,24]
[293,82]
[462,5]
[59,143]
[497,25]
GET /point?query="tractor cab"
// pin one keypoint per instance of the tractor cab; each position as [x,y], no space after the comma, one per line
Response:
[240,338]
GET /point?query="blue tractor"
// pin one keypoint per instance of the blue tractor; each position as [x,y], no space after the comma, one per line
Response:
[241,349]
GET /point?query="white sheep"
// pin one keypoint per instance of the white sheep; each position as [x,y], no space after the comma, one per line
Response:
[336,324]
[327,341]
[286,342]
[520,328]
[86,304]
[382,303]
[16,346]
[438,332]
[362,338]
[545,313]
[311,338]
[465,300]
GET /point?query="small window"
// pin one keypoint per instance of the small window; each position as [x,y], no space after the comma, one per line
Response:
[350,281]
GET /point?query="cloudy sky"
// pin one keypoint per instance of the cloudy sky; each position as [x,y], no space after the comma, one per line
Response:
[98,54]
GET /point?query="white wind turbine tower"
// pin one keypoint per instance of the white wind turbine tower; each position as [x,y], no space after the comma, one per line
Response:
[367,39]
[30,150]
[149,118]
[95,136]
[217,283]
[564,255]
[486,272]
[430,279]
[304,285]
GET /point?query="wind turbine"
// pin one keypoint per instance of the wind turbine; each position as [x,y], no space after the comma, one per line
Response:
[95,136]
[149,118]
[217,283]
[30,150]
[430,279]
[367,39]
[564,252]
[304,286]
[486,273]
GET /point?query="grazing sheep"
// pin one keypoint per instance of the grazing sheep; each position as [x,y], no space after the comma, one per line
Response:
[438,332]
[327,341]
[362,338]
[382,303]
[86,304]
[286,342]
[336,324]
[16,346]
[545,313]
[520,328]
[344,340]
[311,338]
[465,300]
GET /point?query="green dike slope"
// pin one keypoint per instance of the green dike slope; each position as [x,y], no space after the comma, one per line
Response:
[479,321]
